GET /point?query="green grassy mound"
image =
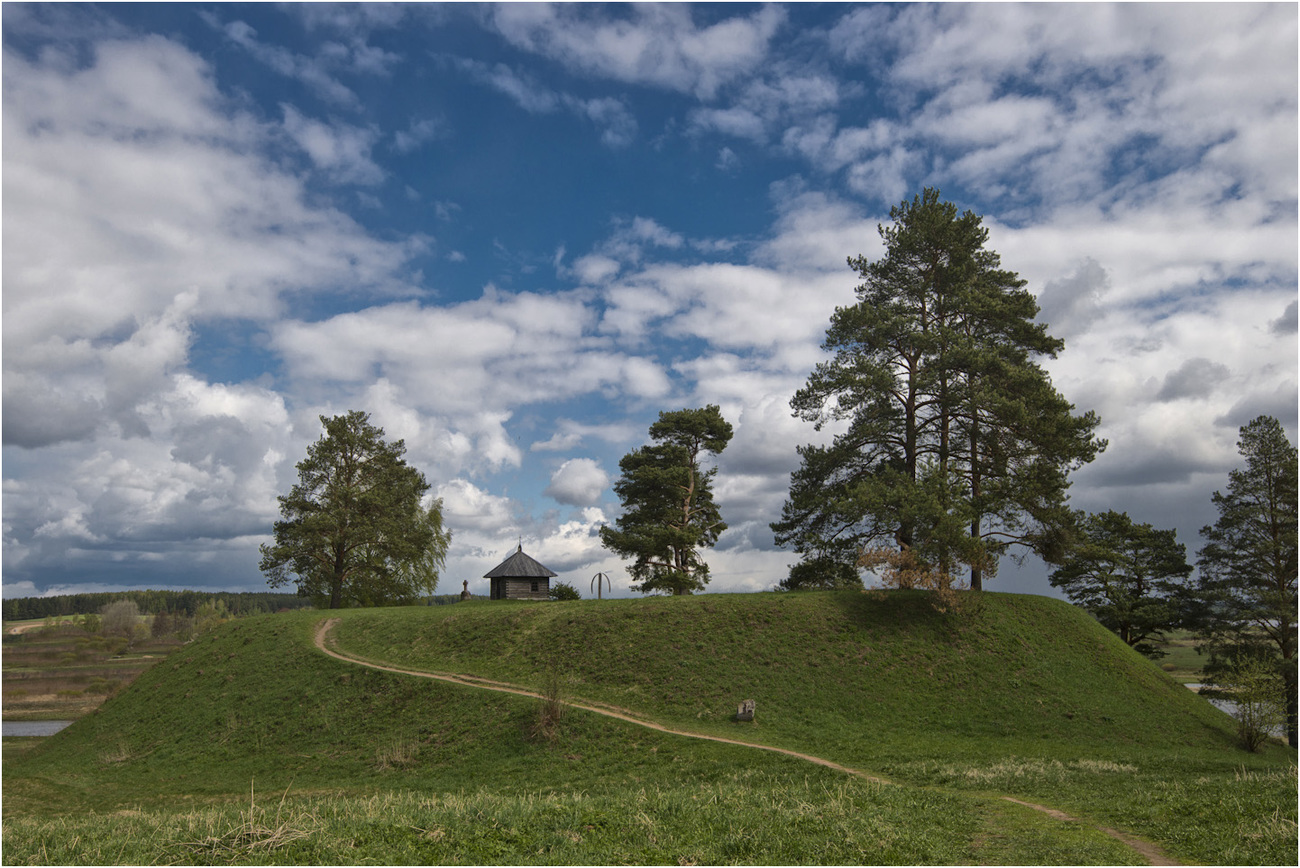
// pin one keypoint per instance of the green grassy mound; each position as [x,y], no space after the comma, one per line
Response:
[867,679]
[1024,697]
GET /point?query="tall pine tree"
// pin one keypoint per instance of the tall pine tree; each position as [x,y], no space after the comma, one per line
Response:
[1249,563]
[668,509]
[957,445]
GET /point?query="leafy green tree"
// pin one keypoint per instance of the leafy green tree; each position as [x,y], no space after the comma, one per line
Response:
[1131,577]
[1253,683]
[423,572]
[210,616]
[352,530]
[956,446]
[121,617]
[1248,565]
[668,509]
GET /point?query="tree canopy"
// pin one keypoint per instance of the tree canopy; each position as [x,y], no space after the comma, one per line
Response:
[1249,563]
[422,573]
[954,446]
[668,509]
[821,572]
[1131,577]
[353,532]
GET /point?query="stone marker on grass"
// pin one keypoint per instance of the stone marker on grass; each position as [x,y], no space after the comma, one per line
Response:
[746,711]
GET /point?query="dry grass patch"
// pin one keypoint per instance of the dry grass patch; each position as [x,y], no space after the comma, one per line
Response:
[398,752]
[121,753]
[550,710]
[1271,826]
[1102,766]
[1017,768]
[256,832]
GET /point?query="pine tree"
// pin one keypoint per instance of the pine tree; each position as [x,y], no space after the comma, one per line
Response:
[957,445]
[1131,577]
[1249,563]
[668,509]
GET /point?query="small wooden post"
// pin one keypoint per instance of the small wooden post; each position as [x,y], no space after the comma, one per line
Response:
[600,579]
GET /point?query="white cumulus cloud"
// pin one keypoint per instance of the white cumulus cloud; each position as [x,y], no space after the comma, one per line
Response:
[578,482]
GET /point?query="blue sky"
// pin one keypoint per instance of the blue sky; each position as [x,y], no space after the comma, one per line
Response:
[515,233]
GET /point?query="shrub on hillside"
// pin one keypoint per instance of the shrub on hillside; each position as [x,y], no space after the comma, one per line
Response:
[550,709]
[1255,687]
[564,591]
[904,571]
[821,572]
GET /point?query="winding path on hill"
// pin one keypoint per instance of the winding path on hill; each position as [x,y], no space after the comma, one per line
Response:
[1153,854]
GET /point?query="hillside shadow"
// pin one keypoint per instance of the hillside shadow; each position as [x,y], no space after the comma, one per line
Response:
[911,612]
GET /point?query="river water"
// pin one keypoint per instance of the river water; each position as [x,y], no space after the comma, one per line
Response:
[1221,704]
[12,728]
[1230,707]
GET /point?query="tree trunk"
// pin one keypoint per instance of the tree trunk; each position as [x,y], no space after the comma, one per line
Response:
[1292,737]
[336,581]
[1289,684]
[976,568]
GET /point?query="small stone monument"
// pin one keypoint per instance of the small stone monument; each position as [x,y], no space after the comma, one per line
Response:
[465,594]
[746,711]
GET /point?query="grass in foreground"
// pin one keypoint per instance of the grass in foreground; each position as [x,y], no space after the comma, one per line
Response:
[1198,809]
[753,817]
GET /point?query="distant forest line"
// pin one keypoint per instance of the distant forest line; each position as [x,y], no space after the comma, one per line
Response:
[174,602]
[150,603]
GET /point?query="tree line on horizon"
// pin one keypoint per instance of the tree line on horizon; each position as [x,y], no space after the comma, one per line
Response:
[149,602]
[952,449]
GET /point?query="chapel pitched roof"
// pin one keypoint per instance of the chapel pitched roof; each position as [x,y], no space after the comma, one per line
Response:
[519,566]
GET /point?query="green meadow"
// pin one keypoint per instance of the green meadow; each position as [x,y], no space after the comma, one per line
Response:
[250,746]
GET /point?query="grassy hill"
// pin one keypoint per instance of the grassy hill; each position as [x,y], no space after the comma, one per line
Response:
[865,677]
[250,745]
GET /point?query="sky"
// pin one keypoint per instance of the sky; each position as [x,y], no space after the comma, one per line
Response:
[514,234]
